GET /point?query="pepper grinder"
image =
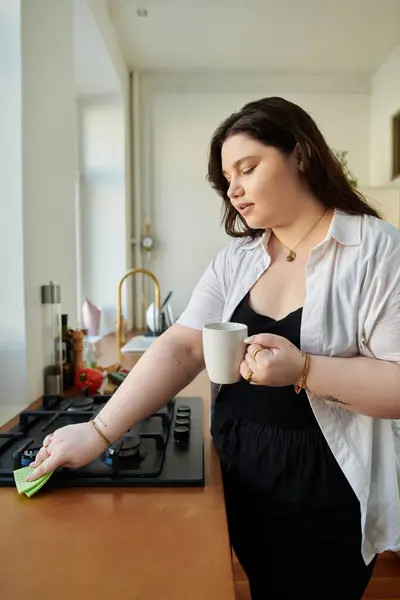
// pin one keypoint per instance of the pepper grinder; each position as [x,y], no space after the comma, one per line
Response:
[77,341]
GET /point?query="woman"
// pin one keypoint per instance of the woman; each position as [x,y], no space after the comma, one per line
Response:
[307,437]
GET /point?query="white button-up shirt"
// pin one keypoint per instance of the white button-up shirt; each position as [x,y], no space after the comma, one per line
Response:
[352,308]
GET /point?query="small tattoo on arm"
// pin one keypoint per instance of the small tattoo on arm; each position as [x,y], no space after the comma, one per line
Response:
[336,400]
[101,421]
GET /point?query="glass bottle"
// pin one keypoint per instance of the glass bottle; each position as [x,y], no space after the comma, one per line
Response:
[51,338]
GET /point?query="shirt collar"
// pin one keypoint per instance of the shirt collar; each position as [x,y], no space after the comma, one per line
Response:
[260,240]
[344,228]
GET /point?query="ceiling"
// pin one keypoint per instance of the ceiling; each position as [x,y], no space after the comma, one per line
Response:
[307,36]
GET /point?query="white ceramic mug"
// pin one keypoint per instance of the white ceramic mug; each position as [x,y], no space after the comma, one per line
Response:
[224,350]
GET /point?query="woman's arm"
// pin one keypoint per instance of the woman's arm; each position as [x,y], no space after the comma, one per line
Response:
[173,361]
[363,385]
[369,386]
[169,365]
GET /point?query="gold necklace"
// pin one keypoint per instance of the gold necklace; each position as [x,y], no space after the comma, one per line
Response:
[292,254]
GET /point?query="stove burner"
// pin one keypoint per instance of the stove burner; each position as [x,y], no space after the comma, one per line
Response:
[80,404]
[129,446]
[29,456]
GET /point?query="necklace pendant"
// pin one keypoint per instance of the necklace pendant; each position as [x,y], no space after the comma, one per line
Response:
[291,256]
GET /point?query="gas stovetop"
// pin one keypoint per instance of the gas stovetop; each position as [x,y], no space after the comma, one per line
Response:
[165,449]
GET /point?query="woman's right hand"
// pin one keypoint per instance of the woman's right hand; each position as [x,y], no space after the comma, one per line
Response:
[70,446]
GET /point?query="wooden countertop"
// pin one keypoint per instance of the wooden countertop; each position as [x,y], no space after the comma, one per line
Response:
[128,543]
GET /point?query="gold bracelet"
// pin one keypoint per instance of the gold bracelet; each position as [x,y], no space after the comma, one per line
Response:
[304,374]
[101,434]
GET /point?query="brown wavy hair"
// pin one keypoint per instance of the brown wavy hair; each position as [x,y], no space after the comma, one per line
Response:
[279,123]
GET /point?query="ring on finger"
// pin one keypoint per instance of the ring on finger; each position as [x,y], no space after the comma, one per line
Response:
[256,351]
[249,375]
[46,443]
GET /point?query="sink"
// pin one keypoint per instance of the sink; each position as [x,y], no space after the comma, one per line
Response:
[139,343]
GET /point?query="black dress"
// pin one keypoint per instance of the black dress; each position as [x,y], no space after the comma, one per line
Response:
[293,518]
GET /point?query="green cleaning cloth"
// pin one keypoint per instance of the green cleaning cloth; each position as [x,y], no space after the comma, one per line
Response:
[29,487]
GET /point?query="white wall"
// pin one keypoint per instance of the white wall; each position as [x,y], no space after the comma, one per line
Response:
[102,198]
[386,199]
[385,102]
[95,71]
[178,122]
[102,15]
[49,167]
[37,172]
[12,302]
[38,179]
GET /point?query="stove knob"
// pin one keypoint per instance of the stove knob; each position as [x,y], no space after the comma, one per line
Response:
[182,422]
[183,411]
[181,434]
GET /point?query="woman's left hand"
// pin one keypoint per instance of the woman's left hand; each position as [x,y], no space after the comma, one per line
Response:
[272,360]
